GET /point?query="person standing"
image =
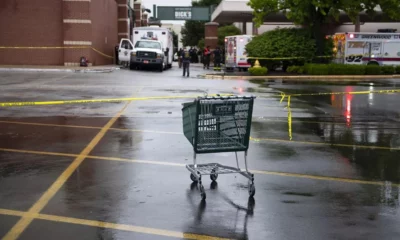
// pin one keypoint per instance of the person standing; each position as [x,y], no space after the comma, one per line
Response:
[180,57]
[186,62]
[217,57]
[207,54]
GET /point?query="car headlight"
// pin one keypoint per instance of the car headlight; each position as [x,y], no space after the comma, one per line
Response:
[133,53]
[159,55]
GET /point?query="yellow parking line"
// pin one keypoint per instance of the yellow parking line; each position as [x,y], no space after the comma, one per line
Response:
[38,152]
[323,143]
[48,124]
[179,133]
[347,180]
[283,174]
[108,225]
[12,212]
[24,222]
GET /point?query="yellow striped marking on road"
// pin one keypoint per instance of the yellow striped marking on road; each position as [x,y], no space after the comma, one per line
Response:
[254,139]
[262,172]
[323,178]
[24,222]
[108,225]
[322,143]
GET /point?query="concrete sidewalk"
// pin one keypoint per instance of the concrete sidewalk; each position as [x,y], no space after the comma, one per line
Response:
[46,68]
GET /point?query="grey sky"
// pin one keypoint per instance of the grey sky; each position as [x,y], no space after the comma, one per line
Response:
[149,4]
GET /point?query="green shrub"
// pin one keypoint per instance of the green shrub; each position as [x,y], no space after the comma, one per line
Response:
[287,43]
[258,71]
[295,69]
[389,70]
[373,70]
[343,69]
[340,69]
[397,69]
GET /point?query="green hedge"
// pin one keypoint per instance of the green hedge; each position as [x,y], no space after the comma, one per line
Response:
[345,69]
[390,70]
[397,68]
[373,70]
[295,69]
[258,71]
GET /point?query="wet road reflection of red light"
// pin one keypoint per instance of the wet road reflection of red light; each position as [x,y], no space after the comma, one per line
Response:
[347,113]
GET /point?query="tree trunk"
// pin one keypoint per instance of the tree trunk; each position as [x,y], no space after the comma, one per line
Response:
[318,21]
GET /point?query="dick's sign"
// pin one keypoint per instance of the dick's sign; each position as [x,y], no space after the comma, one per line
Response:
[183,13]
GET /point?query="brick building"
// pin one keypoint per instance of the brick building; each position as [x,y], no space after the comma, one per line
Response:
[59,32]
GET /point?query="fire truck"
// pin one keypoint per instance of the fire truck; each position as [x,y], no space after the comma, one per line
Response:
[367,48]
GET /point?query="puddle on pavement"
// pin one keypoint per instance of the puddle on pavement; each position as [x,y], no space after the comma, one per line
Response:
[350,119]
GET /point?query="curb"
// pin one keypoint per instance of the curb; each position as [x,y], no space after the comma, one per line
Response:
[302,77]
[106,70]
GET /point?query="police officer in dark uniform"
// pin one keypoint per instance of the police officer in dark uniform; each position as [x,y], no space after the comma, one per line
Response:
[217,57]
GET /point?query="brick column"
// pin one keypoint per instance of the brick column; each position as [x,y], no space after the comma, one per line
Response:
[123,20]
[137,7]
[77,29]
[211,34]
[145,20]
[244,28]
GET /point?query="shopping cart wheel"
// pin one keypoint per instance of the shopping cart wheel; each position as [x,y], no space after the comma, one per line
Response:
[193,177]
[202,192]
[213,175]
[252,190]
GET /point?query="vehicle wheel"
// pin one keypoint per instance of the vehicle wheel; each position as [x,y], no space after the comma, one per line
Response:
[252,190]
[373,63]
[161,68]
[202,193]
[169,65]
[213,175]
[131,66]
[193,177]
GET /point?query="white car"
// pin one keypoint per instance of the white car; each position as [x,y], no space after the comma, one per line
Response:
[175,57]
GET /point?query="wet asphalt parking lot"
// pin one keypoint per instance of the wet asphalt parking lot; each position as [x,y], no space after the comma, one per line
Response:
[325,168]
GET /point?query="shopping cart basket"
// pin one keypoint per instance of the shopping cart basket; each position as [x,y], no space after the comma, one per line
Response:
[218,124]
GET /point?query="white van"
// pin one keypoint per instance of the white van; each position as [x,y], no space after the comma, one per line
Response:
[235,52]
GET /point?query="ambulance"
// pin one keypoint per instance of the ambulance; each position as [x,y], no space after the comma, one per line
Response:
[235,52]
[143,48]
[367,48]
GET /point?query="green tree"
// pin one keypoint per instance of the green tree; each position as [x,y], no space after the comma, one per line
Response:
[201,44]
[314,14]
[175,40]
[228,30]
[193,31]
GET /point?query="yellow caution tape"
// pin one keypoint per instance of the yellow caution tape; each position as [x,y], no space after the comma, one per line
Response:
[41,103]
[62,47]
[55,47]
[286,58]
[283,95]
[103,54]
[290,123]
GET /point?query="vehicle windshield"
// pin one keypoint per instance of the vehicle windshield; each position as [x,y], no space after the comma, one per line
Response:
[148,44]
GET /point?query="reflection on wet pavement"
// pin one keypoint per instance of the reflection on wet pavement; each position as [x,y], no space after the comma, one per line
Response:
[326,169]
